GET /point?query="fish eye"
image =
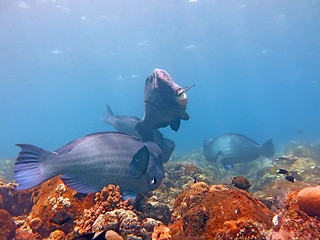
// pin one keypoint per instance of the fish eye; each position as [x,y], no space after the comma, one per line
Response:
[153,181]
[180,92]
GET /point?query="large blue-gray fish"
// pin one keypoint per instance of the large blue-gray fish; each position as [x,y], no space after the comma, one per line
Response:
[165,104]
[126,124]
[92,162]
[227,149]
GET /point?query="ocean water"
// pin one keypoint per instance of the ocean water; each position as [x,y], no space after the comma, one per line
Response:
[255,65]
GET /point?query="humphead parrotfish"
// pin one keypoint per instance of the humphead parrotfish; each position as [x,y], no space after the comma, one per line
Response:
[126,124]
[92,162]
[165,104]
[228,149]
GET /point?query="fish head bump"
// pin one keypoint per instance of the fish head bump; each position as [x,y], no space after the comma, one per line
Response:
[169,88]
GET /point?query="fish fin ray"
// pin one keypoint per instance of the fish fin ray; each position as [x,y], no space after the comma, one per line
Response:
[187,88]
[78,185]
[139,163]
[27,169]
[126,195]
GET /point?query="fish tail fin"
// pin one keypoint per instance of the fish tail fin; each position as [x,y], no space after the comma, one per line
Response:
[27,169]
[108,116]
[267,149]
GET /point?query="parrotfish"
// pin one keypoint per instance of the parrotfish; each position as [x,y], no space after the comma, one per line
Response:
[227,149]
[165,104]
[126,124]
[92,162]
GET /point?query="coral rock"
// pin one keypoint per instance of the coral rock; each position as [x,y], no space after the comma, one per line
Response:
[112,235]
[35,223]
[309,200]
[158,211]
[24,231]
[57,235]
[161,233]
[202,212]
[7,225]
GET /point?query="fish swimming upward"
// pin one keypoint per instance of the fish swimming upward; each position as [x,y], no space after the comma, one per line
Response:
[92,162]
[165,104]
[227,149]
[126,124]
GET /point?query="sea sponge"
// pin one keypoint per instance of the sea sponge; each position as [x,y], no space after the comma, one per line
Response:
[309,201]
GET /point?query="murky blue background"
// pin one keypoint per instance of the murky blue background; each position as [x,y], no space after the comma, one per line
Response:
[256,66]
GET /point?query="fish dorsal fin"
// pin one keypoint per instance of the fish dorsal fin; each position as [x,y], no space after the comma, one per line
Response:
[78,185]
[139,163]
[108,117]
[68,147]
[187,88]
[175,124]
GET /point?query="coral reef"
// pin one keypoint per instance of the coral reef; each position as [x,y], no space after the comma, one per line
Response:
[201,211]
[186,206]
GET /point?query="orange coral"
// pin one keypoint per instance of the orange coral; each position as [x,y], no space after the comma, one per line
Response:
[161,233]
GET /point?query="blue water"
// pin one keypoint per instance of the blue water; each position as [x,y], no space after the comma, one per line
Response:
[256,66]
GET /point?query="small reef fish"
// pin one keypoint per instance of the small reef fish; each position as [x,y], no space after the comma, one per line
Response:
[283,171]
[289,178]
[227,149]
[165,104]
[299,131]
[282,158]
[127,124]
[241,182]
[92,162]
[61,217]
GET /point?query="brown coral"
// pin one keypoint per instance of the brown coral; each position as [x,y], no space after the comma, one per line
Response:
[106,200]
[201,212]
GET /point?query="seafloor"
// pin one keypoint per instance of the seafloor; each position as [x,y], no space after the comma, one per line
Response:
[196,201]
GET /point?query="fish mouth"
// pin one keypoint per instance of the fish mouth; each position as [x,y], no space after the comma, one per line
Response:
[181,97]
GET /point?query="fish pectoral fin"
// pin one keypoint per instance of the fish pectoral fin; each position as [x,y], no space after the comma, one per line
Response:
[139,163]
[78,185]
[185,116]
[220,159]
[175,124]
[131,195]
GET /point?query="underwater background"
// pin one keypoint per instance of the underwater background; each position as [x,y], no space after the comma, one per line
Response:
[255,65]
